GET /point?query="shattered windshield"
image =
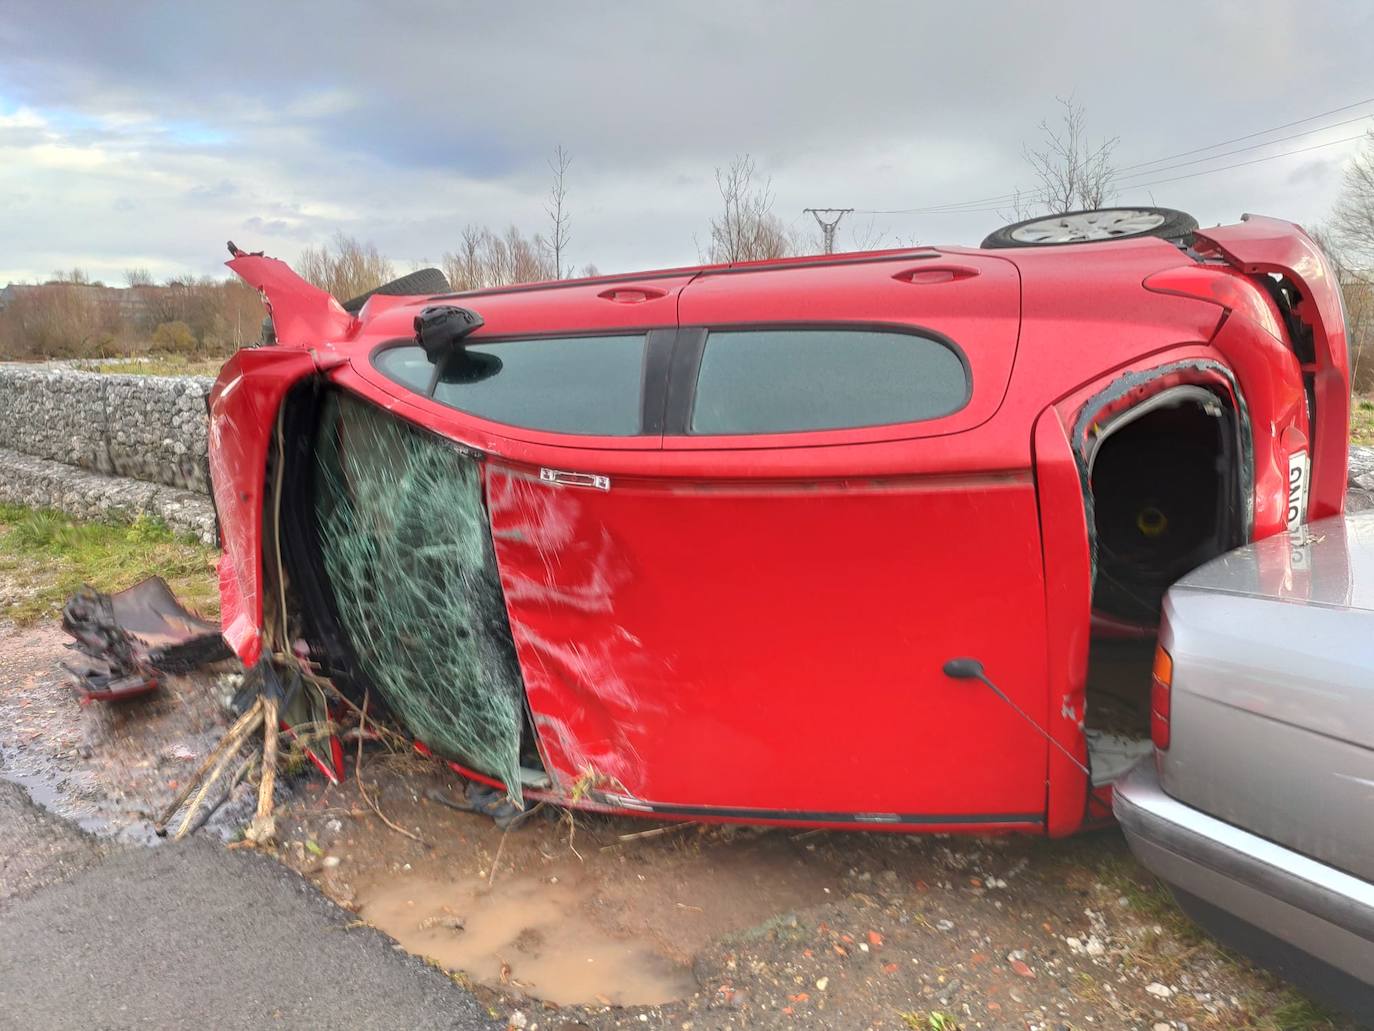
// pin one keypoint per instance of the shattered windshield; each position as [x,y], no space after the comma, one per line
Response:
[405,541]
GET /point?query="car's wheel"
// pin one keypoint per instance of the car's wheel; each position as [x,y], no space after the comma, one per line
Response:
[1094,226]
[421,281]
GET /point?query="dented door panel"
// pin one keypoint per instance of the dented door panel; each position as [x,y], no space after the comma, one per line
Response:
[777,646]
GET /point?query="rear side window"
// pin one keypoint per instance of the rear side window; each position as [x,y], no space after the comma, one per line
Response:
[589,385]
[788,380]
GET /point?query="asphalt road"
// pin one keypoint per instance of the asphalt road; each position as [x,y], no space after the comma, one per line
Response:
[190,936]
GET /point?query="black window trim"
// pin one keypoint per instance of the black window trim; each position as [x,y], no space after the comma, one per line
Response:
[672,363]
[653,381]
[686,368]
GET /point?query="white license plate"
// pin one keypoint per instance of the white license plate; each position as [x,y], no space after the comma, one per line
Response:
[1299,477]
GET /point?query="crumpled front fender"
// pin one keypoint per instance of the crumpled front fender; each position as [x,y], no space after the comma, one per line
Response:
[243,412]
[1260,246]
[303,315]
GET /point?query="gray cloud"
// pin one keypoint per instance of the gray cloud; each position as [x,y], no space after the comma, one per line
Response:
[291,121]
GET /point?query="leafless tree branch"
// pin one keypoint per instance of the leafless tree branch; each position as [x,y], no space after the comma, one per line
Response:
[1073,174]
[559,218]
[746,229]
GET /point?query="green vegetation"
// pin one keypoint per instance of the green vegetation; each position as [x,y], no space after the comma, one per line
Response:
[933,1021]
[1299,1013]
[165,365]
[45,556]
[1362,420]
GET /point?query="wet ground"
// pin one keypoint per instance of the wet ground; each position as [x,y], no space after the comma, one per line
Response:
[705,928]
[589,922]
[107,768]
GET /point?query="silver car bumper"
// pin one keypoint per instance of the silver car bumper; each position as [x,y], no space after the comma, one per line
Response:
[1316,908]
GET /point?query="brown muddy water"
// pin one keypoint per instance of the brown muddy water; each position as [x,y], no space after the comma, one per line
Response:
[598,920]
[529,933]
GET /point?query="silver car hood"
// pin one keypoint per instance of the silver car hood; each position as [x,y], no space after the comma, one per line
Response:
[1328,563]
[1273,690]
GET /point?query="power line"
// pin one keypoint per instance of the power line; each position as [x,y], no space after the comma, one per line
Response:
[1153,182]
[1007,197]
[1242,150]
[1262,132]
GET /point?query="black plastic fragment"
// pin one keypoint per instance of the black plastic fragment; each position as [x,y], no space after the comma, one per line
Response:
[131,636]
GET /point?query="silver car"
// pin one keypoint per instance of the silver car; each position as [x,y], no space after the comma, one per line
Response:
[1257,807]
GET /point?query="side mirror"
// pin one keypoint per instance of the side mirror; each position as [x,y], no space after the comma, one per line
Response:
[440,329]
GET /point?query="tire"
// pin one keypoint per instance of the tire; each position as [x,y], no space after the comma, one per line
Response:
[421,281]
[1098,225]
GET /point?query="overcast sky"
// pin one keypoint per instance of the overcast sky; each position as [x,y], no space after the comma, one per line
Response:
[137,134]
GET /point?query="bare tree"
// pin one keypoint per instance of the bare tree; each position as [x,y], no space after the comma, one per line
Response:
[559,218]
[138,277]
[345,267]
[747,229]
[484,259]
[1073,174]
[866,238]
[1352,221]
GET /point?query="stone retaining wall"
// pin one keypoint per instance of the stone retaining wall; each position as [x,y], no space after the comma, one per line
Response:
[150,428]
[41,483]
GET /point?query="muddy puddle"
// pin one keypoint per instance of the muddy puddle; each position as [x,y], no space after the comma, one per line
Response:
[531,934]
[598,920]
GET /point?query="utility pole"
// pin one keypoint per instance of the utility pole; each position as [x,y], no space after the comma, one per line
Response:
[828,223]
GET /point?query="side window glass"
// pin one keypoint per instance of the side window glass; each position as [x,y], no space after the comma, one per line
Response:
[586,385]
[790,380]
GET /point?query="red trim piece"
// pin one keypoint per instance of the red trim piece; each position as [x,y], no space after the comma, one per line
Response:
[1068,605]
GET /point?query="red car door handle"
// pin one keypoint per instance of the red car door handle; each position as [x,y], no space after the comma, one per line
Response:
[631,294]
[927,275]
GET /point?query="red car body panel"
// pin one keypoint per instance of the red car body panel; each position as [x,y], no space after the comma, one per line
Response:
[1260,246]
[302,314]
[645,660]
[754,628]
[243,411]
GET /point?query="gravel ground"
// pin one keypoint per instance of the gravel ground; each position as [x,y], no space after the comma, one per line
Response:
[783,929]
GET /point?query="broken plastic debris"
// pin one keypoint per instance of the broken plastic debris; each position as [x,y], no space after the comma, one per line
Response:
[129,637]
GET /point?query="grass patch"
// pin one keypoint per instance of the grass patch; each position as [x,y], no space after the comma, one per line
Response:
[1361,420]
[163,365]
[45,556]
[1298,1013]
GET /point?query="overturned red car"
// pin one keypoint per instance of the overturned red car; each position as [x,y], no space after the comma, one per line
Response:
[873,540]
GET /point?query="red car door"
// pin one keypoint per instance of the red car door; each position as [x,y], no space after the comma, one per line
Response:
[755,622]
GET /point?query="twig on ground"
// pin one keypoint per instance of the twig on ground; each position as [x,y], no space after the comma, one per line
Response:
[572,832]
[362,790]
[240,729]
[657,831]
[264,827]
[234,782]
[210,781]
[491,877]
